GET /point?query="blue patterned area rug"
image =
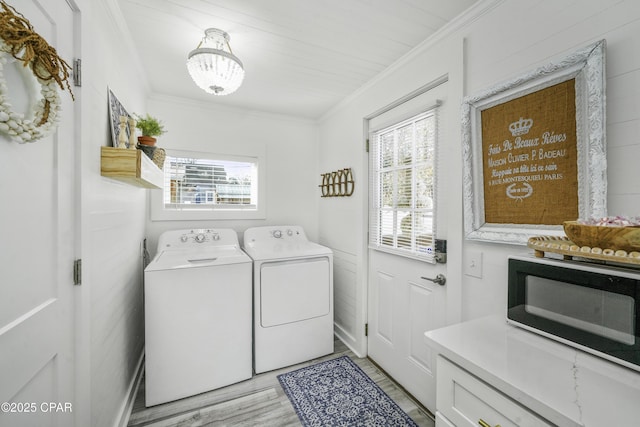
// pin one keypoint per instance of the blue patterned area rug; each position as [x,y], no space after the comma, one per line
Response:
[338,393]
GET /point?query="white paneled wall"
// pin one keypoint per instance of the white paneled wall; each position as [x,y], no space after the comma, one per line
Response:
[623,120]
[342,227]
[537,33]
[291,150]
[344,295]
[501,39]
[112,215]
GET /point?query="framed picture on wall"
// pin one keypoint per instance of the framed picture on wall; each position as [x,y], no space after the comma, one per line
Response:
[116,111]
[534,150]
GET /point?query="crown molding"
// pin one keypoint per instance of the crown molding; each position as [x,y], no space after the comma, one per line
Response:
[467,17]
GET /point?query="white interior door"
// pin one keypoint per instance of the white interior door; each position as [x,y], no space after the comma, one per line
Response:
[402,305]
[36,255]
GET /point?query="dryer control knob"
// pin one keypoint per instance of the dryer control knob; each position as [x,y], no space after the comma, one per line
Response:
[184,238]
[289,232]
[216,236]
[199,238]
[277,234]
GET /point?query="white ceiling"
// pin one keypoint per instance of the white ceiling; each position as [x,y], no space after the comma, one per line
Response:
[301,57]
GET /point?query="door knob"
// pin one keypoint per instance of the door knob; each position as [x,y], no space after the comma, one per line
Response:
[439,279]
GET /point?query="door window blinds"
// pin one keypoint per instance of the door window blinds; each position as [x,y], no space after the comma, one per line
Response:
[402,187]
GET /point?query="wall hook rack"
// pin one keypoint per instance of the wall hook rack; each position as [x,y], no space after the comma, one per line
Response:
[337,183]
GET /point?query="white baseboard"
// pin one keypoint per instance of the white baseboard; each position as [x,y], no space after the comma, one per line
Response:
[125,410]
[347,339]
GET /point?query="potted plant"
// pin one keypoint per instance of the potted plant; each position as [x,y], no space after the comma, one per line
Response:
[150,128]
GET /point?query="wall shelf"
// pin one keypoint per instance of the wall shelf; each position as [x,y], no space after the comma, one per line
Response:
[130,166]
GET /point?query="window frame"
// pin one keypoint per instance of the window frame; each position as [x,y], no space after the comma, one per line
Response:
[158,211]
[375,206]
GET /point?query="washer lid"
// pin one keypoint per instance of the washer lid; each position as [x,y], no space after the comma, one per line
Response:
[261,250]
[202,257]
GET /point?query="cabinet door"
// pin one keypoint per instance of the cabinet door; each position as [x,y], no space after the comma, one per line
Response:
[464,400]
[441,421]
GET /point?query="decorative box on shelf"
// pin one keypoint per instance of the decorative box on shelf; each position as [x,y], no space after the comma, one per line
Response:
[130,166]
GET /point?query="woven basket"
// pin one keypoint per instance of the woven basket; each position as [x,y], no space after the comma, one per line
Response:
[158,157]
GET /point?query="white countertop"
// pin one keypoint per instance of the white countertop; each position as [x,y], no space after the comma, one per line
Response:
[566,386]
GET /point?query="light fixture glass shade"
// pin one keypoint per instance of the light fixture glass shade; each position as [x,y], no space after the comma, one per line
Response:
[212,65]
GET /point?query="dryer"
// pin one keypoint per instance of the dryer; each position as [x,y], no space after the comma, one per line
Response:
[292,296]
[197,314]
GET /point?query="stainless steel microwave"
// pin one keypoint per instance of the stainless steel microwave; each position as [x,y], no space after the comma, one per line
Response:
[589,306]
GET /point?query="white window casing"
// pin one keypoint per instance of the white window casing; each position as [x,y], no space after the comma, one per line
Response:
[205,186]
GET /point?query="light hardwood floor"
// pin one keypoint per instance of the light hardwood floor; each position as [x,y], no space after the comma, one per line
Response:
[259,401]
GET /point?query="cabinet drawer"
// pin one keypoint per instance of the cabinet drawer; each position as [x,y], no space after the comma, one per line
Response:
[464,400]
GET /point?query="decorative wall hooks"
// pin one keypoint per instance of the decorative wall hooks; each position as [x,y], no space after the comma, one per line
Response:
[338,183]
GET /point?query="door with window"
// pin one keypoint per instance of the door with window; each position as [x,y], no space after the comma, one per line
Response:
[36,256]
[402,304]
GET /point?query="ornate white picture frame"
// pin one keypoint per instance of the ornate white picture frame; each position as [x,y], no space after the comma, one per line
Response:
[587,67]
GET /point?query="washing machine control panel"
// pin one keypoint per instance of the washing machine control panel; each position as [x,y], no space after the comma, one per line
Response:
[280,234]
[184,238]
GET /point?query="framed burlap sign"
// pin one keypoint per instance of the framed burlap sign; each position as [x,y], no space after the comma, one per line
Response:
[534,150]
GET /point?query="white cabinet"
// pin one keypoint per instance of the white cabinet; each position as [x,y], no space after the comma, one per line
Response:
[441,421]
[465,401]
[488,369]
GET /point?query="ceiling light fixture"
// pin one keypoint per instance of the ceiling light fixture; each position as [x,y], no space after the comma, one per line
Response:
[212,65]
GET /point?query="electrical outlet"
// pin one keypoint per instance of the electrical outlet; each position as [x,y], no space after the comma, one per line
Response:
[473,264]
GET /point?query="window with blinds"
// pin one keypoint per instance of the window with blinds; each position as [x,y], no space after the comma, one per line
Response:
[402,187]
[195,183]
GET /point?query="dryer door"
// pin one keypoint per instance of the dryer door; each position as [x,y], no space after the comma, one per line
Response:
[292,291]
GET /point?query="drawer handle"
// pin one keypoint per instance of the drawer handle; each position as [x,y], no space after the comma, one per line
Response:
[483,423]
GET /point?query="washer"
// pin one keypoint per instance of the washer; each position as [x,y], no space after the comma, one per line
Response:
[197,314]
[292,296]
